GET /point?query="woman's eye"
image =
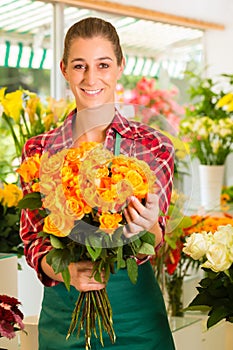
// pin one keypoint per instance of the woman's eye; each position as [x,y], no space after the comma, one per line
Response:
[79,66]
[104,65]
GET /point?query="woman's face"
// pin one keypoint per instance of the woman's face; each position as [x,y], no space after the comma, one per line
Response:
[92,71]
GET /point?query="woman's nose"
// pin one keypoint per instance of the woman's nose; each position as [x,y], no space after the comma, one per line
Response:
[90,75]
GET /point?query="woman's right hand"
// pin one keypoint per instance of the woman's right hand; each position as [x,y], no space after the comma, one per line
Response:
[81,277]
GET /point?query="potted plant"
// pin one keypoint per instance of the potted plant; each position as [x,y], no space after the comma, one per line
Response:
[208,129]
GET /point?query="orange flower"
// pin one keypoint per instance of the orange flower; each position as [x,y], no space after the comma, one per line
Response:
[52,165]
[29,169]
[47,184]
[36,187]
[208,223]
[108,195]
[56,225]
[77,207]
[109,222]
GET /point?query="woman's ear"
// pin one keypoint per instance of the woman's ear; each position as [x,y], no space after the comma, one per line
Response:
[63,70]
[121,68]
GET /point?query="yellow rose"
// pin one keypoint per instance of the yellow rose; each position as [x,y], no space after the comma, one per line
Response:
[47,184]
[109,222]
[29,169]
[77,207]
[56,225]
[52,164]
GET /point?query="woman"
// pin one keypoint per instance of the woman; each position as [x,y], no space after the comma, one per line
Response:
[92,63]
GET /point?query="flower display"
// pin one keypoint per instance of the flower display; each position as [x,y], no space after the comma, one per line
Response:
[208,125]
[11,318]
[25,115]
[158,102]
[214,251]
[83,192]
[10,241]
[210,140]
[208,223]
[170,263]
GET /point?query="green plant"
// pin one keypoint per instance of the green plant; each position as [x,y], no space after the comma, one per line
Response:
[205,94]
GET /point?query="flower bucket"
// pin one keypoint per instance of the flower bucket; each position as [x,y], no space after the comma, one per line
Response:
[211,182]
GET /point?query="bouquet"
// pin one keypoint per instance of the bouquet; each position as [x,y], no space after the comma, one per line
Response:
[214,251]
[11,318]
[82,192]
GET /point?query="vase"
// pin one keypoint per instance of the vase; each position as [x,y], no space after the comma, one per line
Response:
[211,182]
[174,289]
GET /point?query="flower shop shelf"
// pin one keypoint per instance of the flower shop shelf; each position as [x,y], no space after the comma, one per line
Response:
[190,332]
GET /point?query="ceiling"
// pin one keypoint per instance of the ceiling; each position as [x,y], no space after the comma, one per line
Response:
[25,29]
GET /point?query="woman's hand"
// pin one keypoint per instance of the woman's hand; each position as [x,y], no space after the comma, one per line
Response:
[140,217]
[80,275]
[81,279]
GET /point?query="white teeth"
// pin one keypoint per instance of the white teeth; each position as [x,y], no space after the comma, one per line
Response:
[92,92]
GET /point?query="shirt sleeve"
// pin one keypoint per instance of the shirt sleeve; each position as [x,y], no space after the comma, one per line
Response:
[31,223]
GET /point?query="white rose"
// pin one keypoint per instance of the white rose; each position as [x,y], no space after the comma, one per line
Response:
[196,245]
[231,254]
[224,235]
[217,258]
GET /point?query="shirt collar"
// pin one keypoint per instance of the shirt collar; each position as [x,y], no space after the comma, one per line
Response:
[121,125]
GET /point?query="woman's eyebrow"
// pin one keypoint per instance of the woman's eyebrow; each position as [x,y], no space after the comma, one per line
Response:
[97,59]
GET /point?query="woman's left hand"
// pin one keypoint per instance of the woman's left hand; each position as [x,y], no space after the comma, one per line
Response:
[141,217]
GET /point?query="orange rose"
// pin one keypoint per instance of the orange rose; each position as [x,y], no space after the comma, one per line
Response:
[52,165]
[56,225]
[109,222]
[36,187]
[29,169]
[77,207]
[47,184]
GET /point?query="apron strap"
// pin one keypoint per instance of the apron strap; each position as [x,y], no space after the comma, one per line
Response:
[117,144]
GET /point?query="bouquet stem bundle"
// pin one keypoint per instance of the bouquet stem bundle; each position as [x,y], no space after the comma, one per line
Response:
[92,308]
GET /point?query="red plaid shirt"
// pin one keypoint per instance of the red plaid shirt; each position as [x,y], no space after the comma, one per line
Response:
[137,140]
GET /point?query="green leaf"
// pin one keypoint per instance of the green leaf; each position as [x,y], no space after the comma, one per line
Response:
[147,249]
[59,259]
[217,314]
[148,238]
[31,201]
[56,243]
[66,278]
[132,269]
[93,251]
[120,260]
[97,277]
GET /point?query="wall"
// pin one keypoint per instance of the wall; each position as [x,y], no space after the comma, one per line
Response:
[219,52]
[218,44]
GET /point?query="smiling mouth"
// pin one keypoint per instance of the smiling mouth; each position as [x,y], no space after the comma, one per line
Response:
[92,92]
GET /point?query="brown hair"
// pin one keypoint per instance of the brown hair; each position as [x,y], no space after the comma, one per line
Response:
[91,27]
